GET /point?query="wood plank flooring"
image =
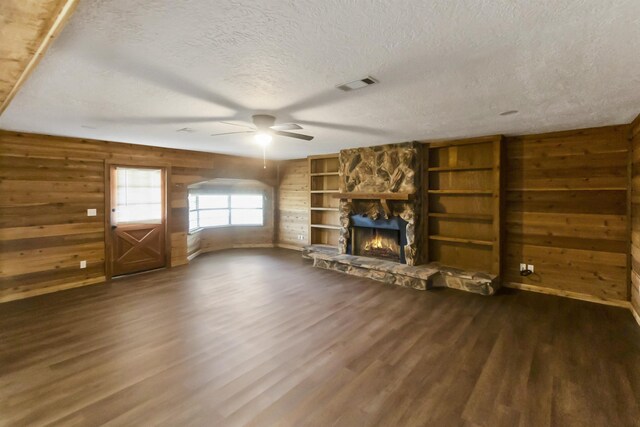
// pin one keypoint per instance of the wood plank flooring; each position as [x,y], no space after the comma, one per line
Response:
[261,338]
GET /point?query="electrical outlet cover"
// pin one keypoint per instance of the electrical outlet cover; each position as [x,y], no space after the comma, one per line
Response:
[523,266]
[530,268]
[92,212]
[83,264]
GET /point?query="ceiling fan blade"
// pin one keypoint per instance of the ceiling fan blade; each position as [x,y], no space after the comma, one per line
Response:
[231,133]
[286,126]
[343,127]
[293,135]
[164,120]
[241,125]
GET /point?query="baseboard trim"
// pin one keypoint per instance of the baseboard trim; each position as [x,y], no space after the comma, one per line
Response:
[52,289]
[287,246]
[253,245]
[239,246]
[567,294]
[194,255]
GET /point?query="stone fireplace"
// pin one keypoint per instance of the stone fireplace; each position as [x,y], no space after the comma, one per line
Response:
[378,193]
[381,193]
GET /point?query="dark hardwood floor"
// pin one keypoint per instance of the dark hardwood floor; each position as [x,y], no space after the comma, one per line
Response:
[259,337]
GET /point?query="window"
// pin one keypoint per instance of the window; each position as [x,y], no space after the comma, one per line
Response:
[138,195]
[216,210]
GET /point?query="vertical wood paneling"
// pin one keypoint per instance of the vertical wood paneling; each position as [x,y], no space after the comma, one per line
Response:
[566,211]
[634,135]
[293,203]
[28,28]
[48,183]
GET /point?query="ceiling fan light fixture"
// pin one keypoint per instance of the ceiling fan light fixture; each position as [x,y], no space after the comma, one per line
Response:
[262,138]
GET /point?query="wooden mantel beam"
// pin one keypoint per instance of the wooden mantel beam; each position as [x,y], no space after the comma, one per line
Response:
[372,196]
[27,28]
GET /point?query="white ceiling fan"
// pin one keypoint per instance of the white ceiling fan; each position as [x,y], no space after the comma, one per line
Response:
[265,129]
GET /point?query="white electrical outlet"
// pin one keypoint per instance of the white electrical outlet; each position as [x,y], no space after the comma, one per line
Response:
[83,264]
[92,212]
[523,266]
[530,268]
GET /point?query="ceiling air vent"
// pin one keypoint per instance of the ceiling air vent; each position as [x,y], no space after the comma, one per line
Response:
[357,84]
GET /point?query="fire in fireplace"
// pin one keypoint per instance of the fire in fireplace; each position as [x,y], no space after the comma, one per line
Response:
[377,243]
[380,238]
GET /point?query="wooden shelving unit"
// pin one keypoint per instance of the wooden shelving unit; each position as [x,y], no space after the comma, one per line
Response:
[324,219]
[463,207]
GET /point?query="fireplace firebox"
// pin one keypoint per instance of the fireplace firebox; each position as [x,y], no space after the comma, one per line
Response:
[380,238]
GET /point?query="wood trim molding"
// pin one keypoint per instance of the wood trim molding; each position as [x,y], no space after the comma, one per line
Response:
[234,246]
[60,15]
[372,196]
[636,315]
[287,246]
[634,127]
[568,294]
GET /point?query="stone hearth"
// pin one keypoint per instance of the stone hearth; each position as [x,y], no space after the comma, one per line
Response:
[422,277]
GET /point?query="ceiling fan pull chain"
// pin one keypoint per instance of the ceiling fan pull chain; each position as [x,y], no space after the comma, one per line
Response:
[264,157]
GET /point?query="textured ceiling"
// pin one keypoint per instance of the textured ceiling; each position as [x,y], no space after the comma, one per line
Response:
[140,71]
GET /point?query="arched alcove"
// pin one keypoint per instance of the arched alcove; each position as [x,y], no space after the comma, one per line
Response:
[223,214]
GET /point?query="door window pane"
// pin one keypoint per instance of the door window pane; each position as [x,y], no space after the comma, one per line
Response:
[138,195]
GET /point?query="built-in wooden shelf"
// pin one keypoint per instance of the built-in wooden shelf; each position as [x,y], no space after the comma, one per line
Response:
[325,174]
[470,141]
[460,168]
[568,189]
[323,214]
[324,209]
[460,240]
[460,192]
[376,196]
[463,184]
[478,217]
[326,226]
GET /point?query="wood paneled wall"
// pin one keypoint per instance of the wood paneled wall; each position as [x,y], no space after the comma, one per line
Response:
[28,28]
[634,135]
[46,185]
[293,204]
[567,212]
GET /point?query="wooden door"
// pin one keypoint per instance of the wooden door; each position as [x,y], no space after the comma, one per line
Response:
[138,220]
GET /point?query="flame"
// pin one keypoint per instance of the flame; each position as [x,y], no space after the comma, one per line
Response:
[378,243]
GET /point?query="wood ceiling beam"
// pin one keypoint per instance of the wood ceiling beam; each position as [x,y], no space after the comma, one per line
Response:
[27,29]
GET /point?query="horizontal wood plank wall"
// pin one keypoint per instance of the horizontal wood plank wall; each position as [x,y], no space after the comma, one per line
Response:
[566,212]
[46,185]
[293,204]
[635,218]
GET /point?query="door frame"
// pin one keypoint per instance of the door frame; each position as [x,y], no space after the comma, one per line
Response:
[108,243]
